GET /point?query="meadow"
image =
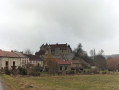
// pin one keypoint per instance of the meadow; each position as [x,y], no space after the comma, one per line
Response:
[76,82]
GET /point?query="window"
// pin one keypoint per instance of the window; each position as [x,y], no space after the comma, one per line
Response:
[13,67]
[22,61]
[38,64]
[65,67]
[27,61]
[14,63]
[6,63]
[60,67]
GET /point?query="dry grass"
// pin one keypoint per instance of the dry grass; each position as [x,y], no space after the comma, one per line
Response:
[81,82]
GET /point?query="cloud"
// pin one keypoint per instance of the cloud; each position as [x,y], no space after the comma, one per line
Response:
[29,23]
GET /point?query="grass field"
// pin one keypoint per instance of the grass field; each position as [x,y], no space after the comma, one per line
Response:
[77,82]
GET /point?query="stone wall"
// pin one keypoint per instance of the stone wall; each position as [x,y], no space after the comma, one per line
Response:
[10,61]
[24,61]
[36,63]
[64,68]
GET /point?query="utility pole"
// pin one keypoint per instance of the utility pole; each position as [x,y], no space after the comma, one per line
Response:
[94,58]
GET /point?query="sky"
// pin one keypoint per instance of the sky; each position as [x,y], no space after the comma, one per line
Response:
[27,24]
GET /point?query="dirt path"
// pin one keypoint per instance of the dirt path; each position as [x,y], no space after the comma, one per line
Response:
[2,87]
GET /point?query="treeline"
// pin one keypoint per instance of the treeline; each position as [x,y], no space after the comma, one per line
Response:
[97,60]
[113,64]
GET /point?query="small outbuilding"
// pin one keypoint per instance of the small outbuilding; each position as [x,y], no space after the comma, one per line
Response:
[64,66]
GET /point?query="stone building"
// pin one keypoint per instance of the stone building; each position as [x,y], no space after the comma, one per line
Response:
[35,60]
[64,66]
[61,51]
[24,59]
[75,65]
[9,60]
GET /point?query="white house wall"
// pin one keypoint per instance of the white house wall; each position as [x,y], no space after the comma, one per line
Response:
[10,62]
[24,61]
[35,63]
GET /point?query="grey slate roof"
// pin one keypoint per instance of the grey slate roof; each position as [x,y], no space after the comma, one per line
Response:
[20,54]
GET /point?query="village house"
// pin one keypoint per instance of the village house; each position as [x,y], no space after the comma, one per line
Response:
[24,59]
[60,51]
[35,60]
[9,60]
[75,65]
[64,66]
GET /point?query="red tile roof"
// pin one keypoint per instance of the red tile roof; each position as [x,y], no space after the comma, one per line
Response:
[63,62]
[7,54]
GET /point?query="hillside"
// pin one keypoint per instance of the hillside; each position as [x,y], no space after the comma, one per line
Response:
[113,56]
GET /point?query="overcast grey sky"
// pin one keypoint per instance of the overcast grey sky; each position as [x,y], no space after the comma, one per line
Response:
[30,23]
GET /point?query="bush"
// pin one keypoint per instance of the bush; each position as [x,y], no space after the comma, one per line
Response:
[96,72]
[104,72]
[14,72]
[60,73]
[7,71]
[71,72]
[87,72]
[34,71]
[22,71]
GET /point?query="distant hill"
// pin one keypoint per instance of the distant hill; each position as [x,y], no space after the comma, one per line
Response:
[112,56]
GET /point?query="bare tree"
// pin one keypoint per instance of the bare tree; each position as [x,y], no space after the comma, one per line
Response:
[101,52]
[28,51]
[51,63]
[100,62]
[113,64]
[92,52]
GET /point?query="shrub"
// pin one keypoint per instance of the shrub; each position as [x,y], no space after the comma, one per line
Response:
[87,72]
[71,72]
[96,72]
[104,72]
[14,72]
[22,71]
[7,71]
[60,73]
[34,71]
